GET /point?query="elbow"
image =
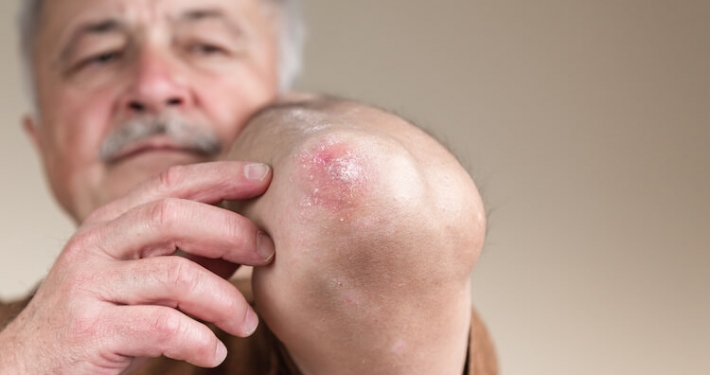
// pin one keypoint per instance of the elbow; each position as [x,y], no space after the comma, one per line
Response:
[352,179]
[370,218]
[369,198]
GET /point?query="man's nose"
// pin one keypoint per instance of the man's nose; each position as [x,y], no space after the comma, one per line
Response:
[158,83]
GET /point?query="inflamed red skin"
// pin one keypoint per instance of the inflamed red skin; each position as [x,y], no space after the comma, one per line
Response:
[376,229]
[333,175]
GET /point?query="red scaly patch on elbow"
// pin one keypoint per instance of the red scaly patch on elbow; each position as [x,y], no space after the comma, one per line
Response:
[332,175]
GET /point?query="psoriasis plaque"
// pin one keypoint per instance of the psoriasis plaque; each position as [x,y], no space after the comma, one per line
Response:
[332,174]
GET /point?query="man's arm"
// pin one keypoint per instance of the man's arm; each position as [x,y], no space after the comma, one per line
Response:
[376,228]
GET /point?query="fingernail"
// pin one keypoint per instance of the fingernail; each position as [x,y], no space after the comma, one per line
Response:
[251,321]
[256,171]
[221,352]
[264,246]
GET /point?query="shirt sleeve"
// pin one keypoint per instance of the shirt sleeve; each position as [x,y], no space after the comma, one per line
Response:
[481,352]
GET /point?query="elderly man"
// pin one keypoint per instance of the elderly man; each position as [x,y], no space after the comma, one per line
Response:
[163,130]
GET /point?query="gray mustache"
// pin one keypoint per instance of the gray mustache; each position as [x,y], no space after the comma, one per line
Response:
[183,133]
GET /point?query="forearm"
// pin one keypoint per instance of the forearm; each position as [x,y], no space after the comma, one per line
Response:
[376,229]
[10,350]
[8,363]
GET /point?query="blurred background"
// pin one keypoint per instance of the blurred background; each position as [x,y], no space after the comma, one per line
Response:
[586,124]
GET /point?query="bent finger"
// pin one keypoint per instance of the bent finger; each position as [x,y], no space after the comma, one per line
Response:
[161,227]
[205,182]
[152,331]
[184,285]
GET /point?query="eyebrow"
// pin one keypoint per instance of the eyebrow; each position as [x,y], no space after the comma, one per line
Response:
[104,26]
[197,15]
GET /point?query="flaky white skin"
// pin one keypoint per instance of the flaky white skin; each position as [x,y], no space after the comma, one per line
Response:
[376,229]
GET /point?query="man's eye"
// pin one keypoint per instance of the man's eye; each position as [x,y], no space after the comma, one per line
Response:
[102,58]
[206,49]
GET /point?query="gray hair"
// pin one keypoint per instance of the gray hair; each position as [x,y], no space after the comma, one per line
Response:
[291,34]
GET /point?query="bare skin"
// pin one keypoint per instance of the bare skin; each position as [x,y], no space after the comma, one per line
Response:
[115,295]
[376,226]
[357,220]
[377,229]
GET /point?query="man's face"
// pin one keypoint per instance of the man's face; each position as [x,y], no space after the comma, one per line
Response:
[127,88]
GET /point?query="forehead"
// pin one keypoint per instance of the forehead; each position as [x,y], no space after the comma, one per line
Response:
[59,16]
[61,10]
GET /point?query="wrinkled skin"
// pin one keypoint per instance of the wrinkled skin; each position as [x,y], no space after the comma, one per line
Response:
[363,231]
[113,294]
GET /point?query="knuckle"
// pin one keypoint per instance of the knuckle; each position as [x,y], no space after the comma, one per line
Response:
[96,215]
[237,230]
[174,335]
[164,212]
[103,213]
[78,245]
[180,273]
[166,325]
[81,324]
[171,176]
[86,325]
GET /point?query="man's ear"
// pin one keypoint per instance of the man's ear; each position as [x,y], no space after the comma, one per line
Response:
[31,127]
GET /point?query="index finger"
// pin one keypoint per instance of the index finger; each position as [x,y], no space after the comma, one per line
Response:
[205,182]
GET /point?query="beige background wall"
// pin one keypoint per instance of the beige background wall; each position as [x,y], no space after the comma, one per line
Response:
[585,123]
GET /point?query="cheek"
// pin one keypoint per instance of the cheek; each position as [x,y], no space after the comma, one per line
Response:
[74,126]
[72,129]
[82,120]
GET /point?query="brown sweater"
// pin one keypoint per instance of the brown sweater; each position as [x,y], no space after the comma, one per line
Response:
[263,354]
